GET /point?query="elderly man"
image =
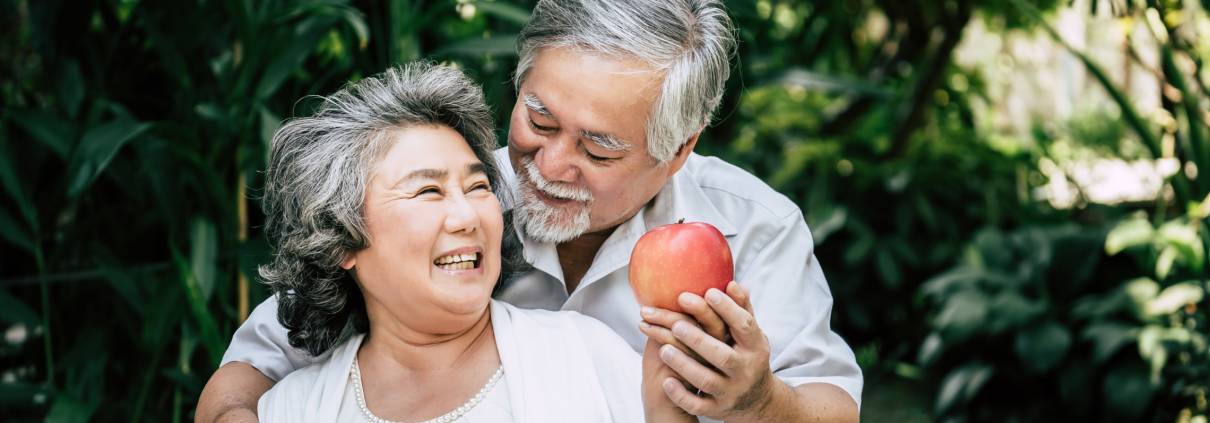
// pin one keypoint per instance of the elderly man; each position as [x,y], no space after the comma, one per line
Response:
[612,96]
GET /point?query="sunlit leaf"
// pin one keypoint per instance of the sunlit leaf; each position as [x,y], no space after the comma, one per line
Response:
[215,343]
[962,384]
[1128,234]
[508,12]
[1163,264]
[46,128]
[496,45]
[1042,347]
[829,223]
[97,148]
[1174,297]
[930,349]
[1142,290]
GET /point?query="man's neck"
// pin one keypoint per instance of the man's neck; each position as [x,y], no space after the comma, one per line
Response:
[576,256]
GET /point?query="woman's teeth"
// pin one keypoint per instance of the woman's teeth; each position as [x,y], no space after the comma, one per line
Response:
[457,261]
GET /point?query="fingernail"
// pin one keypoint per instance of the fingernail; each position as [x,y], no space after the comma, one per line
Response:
[668,385]
[713,296]
[644,325]
[746,291]
[647,311]
[666,353]
[688,299]
[680,329]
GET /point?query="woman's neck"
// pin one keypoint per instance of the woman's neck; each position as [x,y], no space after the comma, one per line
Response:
[394,342]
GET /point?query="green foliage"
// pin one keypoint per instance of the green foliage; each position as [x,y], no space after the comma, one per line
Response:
[133,136]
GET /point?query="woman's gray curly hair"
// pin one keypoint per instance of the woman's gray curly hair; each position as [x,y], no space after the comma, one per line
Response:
[316,181]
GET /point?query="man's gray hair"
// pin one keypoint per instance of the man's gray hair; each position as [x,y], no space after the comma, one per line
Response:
[315,185]
[688,43]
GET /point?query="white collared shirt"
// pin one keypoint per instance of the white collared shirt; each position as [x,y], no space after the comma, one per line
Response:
[772,250]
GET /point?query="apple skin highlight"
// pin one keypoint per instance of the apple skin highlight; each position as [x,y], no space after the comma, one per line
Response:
[676,258]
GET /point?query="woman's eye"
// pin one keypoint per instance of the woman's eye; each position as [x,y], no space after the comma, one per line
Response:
[481,187]
[429,190]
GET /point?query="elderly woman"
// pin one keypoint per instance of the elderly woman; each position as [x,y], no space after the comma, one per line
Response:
[382,207]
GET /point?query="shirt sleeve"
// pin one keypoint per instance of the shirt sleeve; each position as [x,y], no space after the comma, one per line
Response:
[793,306]
[264,343]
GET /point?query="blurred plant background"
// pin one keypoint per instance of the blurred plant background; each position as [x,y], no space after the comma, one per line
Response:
[1004,194]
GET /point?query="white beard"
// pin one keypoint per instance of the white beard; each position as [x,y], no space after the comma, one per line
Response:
[546,223]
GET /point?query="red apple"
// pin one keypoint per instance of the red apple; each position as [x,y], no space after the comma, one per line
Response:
[676,258]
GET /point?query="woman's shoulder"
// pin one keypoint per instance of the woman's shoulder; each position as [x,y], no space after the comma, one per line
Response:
[309,389]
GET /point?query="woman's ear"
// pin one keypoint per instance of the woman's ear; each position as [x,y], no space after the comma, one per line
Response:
[349,262]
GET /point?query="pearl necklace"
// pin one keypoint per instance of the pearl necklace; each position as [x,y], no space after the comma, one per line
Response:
[448,417]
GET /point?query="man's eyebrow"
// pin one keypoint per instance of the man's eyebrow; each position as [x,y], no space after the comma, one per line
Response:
[607,141]
[533,103]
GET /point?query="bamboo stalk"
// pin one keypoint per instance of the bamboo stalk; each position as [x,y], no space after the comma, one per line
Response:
[242,235]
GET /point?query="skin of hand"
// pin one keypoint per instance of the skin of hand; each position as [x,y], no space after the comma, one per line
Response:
[657,406]
[231,394]
[736,382]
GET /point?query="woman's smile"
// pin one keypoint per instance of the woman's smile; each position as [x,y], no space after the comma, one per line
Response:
[464,261]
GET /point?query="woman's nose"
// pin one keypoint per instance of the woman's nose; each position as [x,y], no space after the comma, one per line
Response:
[461,216]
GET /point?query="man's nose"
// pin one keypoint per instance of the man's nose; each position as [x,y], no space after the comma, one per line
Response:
[556,161]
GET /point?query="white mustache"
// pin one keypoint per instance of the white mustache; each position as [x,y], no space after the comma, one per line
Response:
[554,189]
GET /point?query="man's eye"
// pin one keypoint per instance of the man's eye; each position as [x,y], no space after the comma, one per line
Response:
[540,127]
[596,158]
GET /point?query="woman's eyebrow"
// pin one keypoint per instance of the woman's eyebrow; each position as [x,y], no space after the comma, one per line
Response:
[429,174]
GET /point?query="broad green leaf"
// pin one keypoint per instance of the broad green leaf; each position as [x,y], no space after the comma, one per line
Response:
[13,310]
[1010,310]
[1142,290]
[211,112]
[97,148]
[508,12]
[1183,237]
[1128,234]
[1108,338]
[121,280]
[1163,264]
[215,343]
[961,277]
[1127,391]
[71,88]
[306,36]
[203,252]
[496,45]
[1174,297]
[963,315]
[269,123]
[13,232]
[13,185]
[68,410]
[1042,347]
[826,225]
[930,349]
[53,132]
[888,270]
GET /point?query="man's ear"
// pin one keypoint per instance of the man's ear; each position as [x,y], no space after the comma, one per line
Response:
[349,262]
[682,155]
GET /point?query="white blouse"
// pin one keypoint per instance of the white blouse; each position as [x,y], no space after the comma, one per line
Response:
[494,408]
